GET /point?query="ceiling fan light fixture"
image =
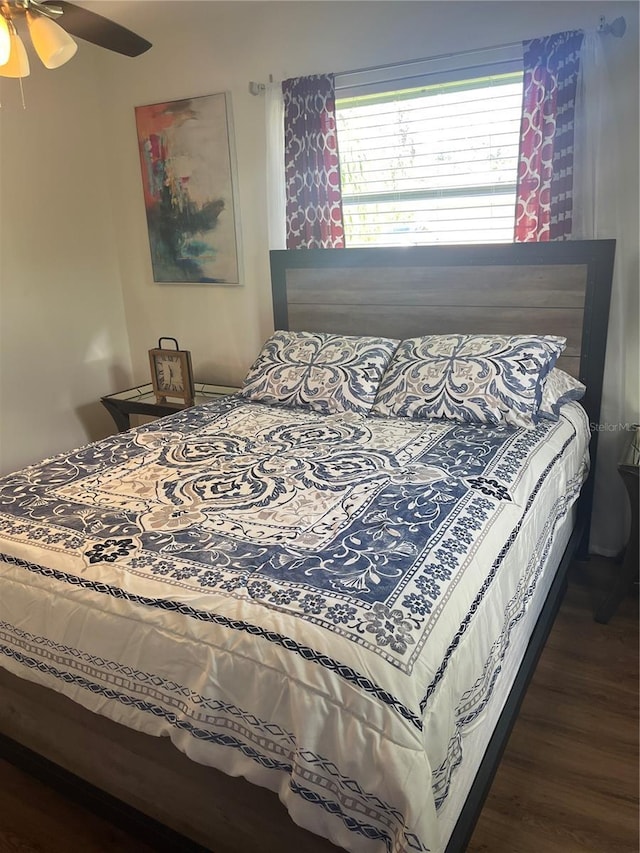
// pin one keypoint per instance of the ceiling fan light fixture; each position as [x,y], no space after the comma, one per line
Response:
[5,41]
[18,63]
[53,45]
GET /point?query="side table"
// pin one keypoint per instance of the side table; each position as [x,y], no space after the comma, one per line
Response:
[628,468]
[142,401]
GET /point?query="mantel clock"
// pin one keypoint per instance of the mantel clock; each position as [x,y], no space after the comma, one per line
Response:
[171,373]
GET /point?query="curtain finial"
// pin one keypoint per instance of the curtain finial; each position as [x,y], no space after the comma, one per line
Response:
[616,28]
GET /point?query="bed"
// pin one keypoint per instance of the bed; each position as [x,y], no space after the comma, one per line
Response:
[341,605]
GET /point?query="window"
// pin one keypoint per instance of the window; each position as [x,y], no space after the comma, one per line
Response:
[431,162]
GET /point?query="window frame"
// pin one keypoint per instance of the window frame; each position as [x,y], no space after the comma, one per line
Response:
[459,71]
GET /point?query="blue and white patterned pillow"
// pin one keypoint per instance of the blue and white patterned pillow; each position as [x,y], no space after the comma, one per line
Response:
[319,371]
[479,378]
[559,388]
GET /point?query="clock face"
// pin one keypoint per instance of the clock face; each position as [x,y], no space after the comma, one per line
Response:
[169,374]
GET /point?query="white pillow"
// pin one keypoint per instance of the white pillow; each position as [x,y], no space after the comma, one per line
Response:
[559,388]
[479,378]
[319,371]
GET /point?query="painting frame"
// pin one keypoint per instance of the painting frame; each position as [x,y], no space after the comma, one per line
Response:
[187,161]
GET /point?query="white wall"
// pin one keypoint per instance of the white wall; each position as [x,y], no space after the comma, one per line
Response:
[63,339]
[206,47]
[202,48]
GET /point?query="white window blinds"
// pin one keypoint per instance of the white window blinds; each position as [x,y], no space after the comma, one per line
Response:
[431,158]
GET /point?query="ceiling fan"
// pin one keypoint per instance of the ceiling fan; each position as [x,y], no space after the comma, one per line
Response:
[51,23]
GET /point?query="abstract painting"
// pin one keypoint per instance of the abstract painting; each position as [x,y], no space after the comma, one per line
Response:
[186,160]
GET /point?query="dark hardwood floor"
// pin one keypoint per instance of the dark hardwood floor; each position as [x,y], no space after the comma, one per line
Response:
[568,782]
[36,819]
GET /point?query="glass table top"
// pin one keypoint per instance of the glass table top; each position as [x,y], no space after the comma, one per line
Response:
[145,394]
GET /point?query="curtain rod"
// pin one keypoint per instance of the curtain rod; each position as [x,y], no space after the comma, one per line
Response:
[259,88]
[439,56]
[617,29]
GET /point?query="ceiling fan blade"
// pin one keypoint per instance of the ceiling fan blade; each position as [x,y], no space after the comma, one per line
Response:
[98,30]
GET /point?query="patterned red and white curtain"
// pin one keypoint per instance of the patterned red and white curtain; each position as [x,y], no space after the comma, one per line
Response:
[312,166]
[545,169]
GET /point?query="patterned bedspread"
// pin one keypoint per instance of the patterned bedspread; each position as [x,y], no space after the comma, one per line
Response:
[320,603]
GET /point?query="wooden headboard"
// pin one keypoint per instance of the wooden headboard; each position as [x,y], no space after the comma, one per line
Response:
[529,288]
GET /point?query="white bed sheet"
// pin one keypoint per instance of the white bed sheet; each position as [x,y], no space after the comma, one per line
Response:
[349,669]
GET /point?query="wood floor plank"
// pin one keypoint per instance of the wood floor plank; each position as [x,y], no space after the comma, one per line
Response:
[11,843]
[568,781]
[36,819]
